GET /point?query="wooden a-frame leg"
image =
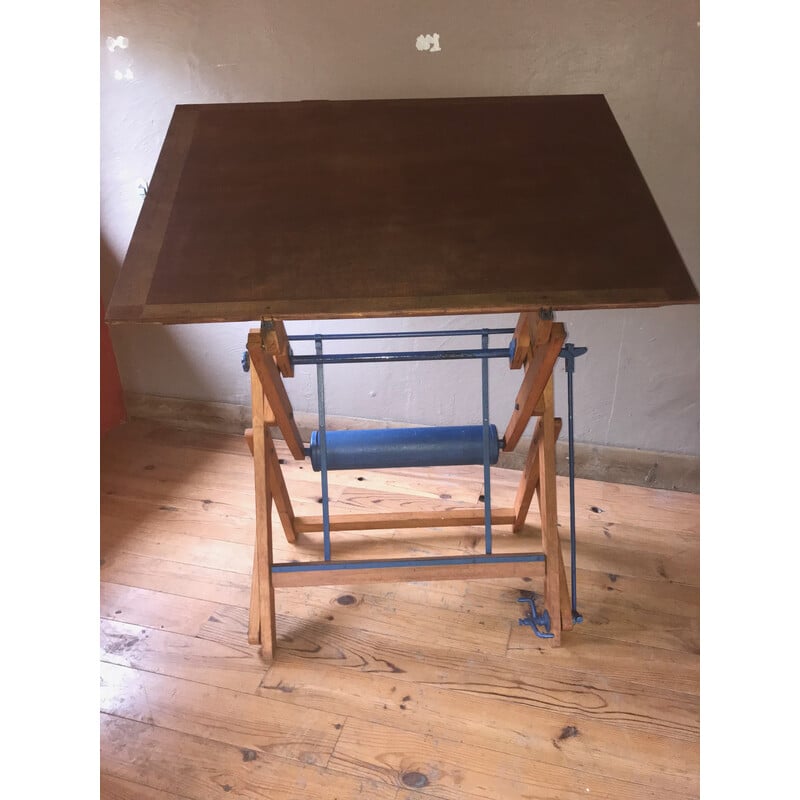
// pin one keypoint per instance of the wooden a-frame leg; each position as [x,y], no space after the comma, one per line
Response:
[566,606]
[538,343]
[556,592]
[530,477]
[254,617]
[262,587]
[280,493]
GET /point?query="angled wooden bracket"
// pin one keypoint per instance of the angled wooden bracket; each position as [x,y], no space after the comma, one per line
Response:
[272,383]
[533,329]
[538,371]
[275,341]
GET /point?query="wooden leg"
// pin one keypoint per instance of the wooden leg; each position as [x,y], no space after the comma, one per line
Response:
[263,546]
[254,619]
[530,477]
[280,493]
[555,587]
[566,605]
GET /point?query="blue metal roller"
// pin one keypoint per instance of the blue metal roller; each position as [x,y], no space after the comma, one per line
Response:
[404,447]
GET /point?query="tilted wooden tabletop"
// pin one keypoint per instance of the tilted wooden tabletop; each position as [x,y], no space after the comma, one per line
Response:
[319,209]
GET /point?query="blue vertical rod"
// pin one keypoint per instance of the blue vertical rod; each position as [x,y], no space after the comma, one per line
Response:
[569,353]
[487,490]
[571,437]
[323,454]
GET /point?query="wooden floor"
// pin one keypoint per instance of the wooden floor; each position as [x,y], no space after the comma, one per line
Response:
[388,691]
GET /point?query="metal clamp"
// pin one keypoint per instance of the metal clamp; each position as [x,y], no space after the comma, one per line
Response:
[569,353]
[267,325]
[512,349]
[534,620]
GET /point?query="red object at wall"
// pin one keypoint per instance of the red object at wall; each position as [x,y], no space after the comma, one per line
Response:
[112,403]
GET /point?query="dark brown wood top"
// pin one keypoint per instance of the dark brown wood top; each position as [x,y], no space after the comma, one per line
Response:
[320,209]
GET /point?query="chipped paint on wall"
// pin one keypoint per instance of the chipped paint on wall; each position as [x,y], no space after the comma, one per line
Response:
[113,42]
[429,42]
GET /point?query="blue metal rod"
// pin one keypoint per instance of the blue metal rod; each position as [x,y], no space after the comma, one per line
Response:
[398,334]
[572,547]
[569,353]
[323,455]
[487,489]
[421,355]
[316,566]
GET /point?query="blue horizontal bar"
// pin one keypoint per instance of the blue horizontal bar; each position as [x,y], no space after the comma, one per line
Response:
[398,334]
[455,561]
[421,355]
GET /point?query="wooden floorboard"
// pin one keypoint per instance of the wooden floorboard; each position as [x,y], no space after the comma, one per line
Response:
[113,788]
[395,690]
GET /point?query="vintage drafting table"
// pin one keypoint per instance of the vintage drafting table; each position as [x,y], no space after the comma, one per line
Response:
[380,208]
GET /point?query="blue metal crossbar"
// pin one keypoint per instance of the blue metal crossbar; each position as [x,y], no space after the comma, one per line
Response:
[403,355]
[399,334]
[316,566]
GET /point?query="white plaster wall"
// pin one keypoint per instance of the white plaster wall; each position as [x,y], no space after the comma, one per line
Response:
[639,384]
